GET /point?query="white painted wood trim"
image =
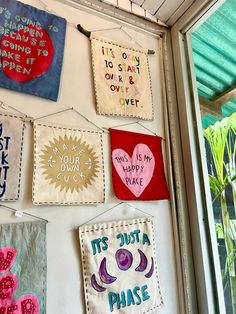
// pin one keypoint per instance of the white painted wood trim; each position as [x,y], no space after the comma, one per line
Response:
[208,218]
[188,276]
[208,275]
[178,13]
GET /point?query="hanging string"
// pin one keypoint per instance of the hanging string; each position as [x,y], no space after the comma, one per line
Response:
[23,213]
[120,125]
[80,114]
[150,51]
[137,122]
[106,130]
[110,209]
[88,33]
[150,130]
[99,215]
[146,128]
[130,37]
[49,10]
[69,109]
[140,210]
[5,106]
[107,29]
[52,114]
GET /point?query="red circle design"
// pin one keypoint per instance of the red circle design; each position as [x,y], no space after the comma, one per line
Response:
[26,54]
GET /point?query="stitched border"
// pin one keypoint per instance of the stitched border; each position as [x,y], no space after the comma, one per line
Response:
[28,90]
[122,223]
[154,254]
[149,73]
[95,82]
[20,155]
[84,273]
[35,159]
[104,183]
[34,171]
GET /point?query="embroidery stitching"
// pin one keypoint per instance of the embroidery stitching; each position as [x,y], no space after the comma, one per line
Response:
[95,81]
[21,154]
[82,234]
[36,161]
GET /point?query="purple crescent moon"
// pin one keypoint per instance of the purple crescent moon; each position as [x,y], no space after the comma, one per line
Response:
[149,274]
[104,276]
[143,262]
[95,285]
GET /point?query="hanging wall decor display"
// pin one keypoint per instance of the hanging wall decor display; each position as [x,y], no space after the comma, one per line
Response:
[31,49]
[23,268]
[119,267]
[11,144]
[137,166]
[68,165]
[122,79]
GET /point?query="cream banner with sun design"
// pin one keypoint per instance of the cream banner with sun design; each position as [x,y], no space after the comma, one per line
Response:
[68,165]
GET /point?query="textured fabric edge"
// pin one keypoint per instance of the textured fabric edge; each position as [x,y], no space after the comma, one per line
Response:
[113,224]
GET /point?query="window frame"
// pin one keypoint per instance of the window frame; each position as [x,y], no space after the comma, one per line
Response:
[210,295]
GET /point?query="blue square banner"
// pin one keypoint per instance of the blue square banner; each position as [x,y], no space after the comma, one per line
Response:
[31,49]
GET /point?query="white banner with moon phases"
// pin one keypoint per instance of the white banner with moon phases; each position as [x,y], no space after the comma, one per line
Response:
[119,267]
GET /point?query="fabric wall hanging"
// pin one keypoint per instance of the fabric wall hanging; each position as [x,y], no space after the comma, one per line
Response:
[122,79]
[23,268]
[11,143]
[68,165]
[119,267]
[31,49]
[137,166]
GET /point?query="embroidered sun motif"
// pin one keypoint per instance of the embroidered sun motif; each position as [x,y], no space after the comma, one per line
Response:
[69,163]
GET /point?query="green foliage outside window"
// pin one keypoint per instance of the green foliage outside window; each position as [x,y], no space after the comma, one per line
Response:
[221,154]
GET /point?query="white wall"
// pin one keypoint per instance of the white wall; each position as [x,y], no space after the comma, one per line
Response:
[65,285]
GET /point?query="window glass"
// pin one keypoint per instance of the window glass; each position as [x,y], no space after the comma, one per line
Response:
[214,52]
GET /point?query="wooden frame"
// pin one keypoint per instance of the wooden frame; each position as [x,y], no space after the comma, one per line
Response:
[213,107]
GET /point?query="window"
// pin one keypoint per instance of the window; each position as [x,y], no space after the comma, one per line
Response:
[214,56]
[205,57]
